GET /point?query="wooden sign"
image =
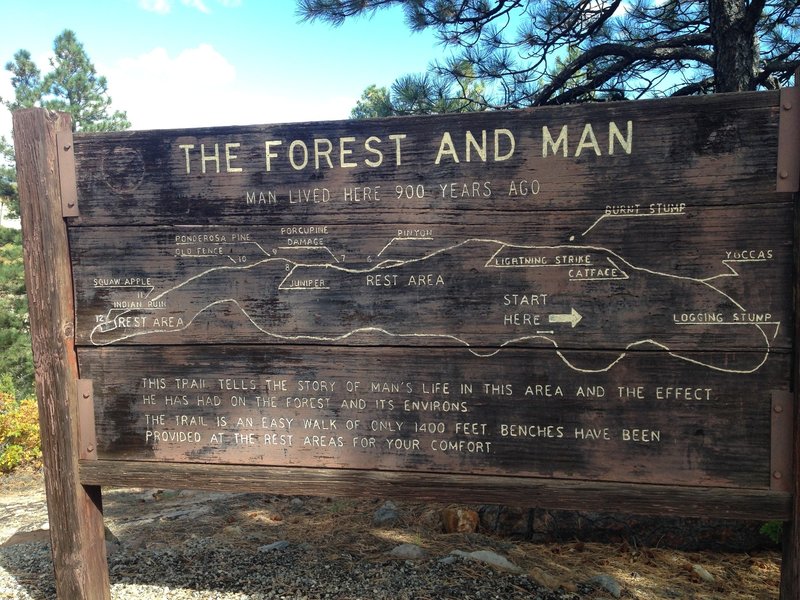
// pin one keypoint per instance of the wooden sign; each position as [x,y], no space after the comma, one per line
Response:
[577,307]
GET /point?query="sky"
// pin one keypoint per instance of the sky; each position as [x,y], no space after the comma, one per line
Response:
[192,63]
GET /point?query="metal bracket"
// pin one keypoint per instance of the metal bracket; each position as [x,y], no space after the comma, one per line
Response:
[66,174]
[788,179]
[782,442]
[87,440]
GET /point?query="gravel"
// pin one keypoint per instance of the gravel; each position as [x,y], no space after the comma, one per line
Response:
[166,544]
[202,568]
[212,546]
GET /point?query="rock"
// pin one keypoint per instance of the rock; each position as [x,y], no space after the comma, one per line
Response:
[490,558]
[506,520]
[408,552]
[460,520]
[431,520]
[150,495]
[386,515]
[608,583]
[28,537]
[296,504]
[112,549]
[703,574]
[281,545]
[168,494]
[110,537]
[113,545]
[545,579]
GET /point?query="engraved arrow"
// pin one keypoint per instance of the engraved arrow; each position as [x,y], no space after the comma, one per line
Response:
[150,288]
[573,317]
[113,313]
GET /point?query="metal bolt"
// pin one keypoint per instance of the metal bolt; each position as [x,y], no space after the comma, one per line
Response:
[778,408]
[68,146]
[90,448]
[777,475]
[85,395]
[784,175]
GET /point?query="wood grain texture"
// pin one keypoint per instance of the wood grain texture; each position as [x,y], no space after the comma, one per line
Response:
[650,419]
[630,261]
[76,525]
[515,491]
[686,282]
[790,565]
[714,149]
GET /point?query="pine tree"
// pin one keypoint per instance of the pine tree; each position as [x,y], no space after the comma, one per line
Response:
[72,86]
[528,52]
[8,180]
[15,343]
[423,94]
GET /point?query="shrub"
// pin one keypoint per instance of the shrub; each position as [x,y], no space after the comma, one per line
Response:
[773,530]
[20,442]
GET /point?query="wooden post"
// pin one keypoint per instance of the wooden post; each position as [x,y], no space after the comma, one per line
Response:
[75,512]
[790,569]
[790,563]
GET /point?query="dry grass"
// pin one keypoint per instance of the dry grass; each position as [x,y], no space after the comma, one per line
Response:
[344,528]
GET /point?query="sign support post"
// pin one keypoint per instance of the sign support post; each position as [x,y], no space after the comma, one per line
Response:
[75,510]
[788,181]
[790,563]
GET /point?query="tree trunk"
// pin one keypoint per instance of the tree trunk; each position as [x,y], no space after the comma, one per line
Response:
[736,54]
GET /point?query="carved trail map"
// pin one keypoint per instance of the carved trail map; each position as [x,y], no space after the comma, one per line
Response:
[587,293]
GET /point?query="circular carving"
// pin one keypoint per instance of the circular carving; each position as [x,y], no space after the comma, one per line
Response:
[123,169]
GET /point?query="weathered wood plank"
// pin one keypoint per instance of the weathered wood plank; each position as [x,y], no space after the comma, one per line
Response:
[648,418]
[76,524]
[790,566]
[617,248]
[710,150]
[700,280]
[517,491]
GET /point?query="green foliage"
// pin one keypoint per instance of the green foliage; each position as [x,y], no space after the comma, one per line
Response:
[8,179]
[72,86]
[540,52]
[20,441]
[26,81]
[773,530]
[16,360]
[7,385]
[374,102]
[423,95]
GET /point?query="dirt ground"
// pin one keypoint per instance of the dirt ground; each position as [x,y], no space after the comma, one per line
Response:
[142,518]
